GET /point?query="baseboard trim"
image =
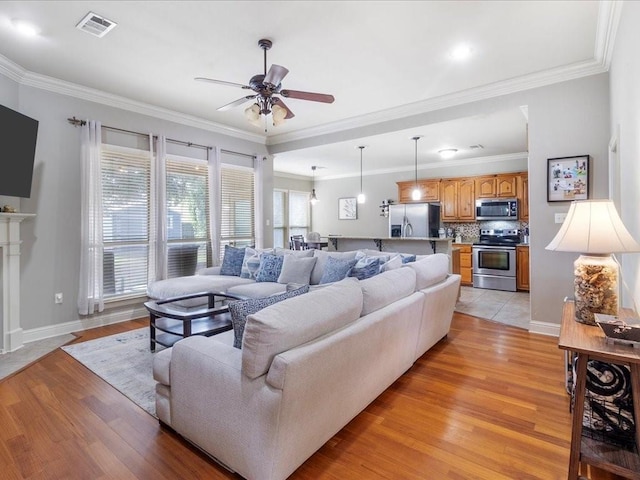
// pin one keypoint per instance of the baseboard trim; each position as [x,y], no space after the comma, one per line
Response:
[545,328]
[98,320]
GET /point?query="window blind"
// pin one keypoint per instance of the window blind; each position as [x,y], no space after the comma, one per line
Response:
[298,213]
[187,210]
[126,180]
[237,206]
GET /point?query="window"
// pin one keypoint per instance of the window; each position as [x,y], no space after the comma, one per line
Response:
[126,185]
[187,210]
[237,226]
[290,216]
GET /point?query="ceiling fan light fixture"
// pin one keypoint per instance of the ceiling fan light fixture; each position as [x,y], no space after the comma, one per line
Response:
[448,152]
[278,114]
[253,114]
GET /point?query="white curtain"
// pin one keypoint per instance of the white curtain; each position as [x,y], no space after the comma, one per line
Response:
[158,216]
[90,291]
[215,212]
[257,201]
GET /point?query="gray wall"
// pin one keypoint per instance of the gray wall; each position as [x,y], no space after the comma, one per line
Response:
[51,241]
[625,117]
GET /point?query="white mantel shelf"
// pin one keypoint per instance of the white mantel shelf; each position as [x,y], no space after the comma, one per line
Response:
[10,251]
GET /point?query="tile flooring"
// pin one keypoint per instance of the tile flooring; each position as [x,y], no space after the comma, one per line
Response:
[511,308]
[14,361]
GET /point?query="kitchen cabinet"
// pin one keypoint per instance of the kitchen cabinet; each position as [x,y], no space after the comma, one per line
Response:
[522,267]
[429,191]
[523,197]
[466,265]
[457,198]
[496,186]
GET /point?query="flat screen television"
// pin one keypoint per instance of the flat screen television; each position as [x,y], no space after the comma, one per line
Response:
[18,135]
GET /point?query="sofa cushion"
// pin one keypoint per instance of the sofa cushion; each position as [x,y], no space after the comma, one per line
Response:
[270,267]
[299,320]
[232,261]
[179,286]
[240,309]
[251,261]
[336,269]
[295,253]
[430,270]
[365,268]
[386,288]
[296,270]
[322,256]
[260,289]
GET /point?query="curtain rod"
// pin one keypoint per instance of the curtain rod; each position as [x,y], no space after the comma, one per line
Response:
[77,122]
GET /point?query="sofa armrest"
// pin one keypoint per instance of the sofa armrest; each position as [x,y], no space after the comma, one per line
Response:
[209,271]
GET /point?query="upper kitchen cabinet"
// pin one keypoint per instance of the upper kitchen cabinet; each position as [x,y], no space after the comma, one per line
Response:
[523,196]
[457,198]
[429,191]
[496,186]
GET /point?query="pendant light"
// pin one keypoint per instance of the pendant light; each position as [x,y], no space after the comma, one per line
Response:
[416,194]
[361,196]
[313,199]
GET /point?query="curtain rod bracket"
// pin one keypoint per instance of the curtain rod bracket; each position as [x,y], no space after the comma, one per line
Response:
[76,122]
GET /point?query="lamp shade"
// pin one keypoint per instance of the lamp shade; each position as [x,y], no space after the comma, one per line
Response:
[593,227]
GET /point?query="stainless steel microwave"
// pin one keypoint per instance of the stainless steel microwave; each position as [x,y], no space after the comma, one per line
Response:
[497,209]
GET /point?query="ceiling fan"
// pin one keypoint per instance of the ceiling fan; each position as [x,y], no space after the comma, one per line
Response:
[266,86]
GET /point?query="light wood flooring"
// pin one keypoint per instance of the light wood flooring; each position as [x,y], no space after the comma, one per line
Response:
[488,403]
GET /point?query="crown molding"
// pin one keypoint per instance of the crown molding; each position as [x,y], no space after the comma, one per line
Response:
[609,12]
[54,85]
[507,157]
[525,82]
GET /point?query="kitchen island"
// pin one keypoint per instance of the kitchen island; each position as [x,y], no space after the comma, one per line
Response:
[415,245]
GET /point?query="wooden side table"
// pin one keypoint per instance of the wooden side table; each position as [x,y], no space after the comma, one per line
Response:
[590,343]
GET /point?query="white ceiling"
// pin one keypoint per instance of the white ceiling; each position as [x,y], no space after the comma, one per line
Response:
[375,57]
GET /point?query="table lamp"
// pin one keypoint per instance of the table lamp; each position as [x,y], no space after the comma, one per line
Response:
[594,229]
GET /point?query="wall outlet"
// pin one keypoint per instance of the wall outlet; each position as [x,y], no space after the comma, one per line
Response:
[57,298]
[559,217]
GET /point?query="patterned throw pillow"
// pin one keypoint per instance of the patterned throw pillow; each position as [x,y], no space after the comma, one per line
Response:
[232,261]
[251,261]
[270,268]
[336,269]
[241,309]
[408,257]
[365,268]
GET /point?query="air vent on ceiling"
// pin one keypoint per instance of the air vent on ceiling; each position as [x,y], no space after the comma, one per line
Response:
[96,25]
[476,147]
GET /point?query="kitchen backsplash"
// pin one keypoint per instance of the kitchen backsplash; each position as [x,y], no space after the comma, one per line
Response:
[472,230]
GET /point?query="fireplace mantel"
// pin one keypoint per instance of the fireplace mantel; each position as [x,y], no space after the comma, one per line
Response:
[10,261]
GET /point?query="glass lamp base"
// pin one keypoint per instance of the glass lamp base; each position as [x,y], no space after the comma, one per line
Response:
[596,287]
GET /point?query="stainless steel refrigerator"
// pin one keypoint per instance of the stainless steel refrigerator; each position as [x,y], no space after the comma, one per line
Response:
[414,220]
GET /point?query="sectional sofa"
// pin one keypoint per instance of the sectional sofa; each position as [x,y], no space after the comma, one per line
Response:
[306,367]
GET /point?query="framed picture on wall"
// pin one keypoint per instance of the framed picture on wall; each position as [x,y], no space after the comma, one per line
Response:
[347,208]
[568,178]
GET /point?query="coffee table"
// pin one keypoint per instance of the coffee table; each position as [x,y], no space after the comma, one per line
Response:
[175,322]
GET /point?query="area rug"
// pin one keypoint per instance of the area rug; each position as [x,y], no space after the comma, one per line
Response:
[124,361]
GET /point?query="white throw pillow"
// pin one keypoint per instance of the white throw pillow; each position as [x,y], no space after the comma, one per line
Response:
[296,270]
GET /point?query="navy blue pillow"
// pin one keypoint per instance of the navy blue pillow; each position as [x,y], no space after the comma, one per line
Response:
[232,261]
[270,268]
[407,257]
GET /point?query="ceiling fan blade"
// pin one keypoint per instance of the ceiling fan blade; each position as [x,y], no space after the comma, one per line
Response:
[221,82]
[235,103]
[278,101]
[275,75]
[314,97]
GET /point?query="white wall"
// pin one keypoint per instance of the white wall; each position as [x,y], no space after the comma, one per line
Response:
[51,241]
[625,114]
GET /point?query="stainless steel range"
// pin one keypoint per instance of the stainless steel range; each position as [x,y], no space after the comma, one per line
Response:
[494,259]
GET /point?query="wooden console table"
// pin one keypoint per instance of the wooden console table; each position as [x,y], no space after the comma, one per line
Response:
[590,343]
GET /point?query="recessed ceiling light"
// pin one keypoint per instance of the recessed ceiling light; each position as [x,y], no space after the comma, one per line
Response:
[448,152]
[25,28]
[461,52]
